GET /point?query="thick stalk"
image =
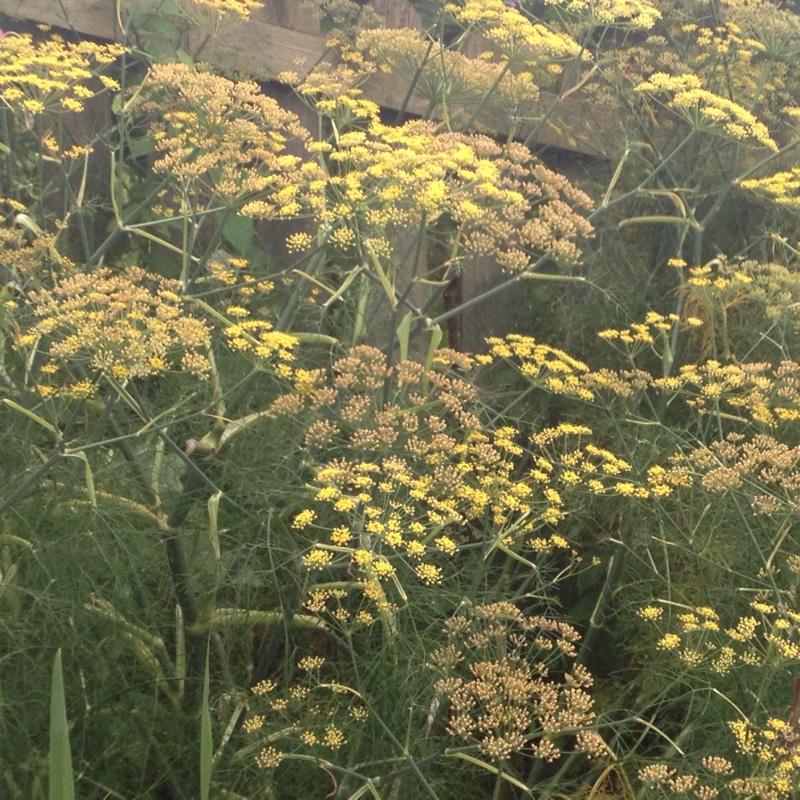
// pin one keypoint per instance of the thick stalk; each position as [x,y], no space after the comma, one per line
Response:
[603,604]
[290,311]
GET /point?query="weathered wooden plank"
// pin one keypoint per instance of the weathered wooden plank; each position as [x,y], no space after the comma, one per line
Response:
[292,14]
[260,49]
[264,49]
[398,14]
[93,17]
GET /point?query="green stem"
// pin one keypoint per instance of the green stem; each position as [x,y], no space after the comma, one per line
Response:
[22,491]
[122,225]
[401,113]
[602,606]
[316,260]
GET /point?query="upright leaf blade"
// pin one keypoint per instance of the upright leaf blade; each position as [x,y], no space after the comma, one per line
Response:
[403,335]
[206,743]
[62,786]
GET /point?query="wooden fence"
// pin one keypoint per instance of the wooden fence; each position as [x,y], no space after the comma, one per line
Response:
[285,31]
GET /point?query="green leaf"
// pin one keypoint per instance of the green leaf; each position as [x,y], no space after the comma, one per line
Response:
[25,221]
[436,340]
[141,146]
[184,58]
[351,276]
[213,514]
[8,538]
[88,476]
[159,25]
[62,786]
[403,333]
[660,219]
[238,232]
[383,277]
[35,417]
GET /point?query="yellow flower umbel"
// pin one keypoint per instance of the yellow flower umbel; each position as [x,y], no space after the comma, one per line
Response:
[218,138]
[374,184]
[240,8]
[52,75]
[498,673]
[626,14]
[451,81]
[407,474]
[768,765]
[217,17]
[543,365]
[308,711]
[705,110]
[517,38]
[121,326]
[782,188]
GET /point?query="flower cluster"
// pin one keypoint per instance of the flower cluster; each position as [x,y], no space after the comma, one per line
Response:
[766,466]
[736,299]
[764,394]
[781,187]
[771,750]
[652,333]
[52,75]
[702,109]
[120,325]
[568,465]
[221,12]
[515,36]
[255,335]
[744,57]
[503,675]
[407,472]
[334,91]
[765,636]
[627,14]
[736,61]
[551,369]
[544,366]
[27,258]
[222,139]
[245,328]
[774,779]
[307,714]
[236,275]
[451,80]
[758,391]
[501,200]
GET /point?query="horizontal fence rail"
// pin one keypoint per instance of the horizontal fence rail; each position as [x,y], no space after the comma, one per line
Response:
[282,34]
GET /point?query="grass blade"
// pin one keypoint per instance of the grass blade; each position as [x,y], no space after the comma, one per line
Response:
[206,743]
[62,786]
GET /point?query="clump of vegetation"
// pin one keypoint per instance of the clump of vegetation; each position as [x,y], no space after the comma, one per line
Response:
[287,538]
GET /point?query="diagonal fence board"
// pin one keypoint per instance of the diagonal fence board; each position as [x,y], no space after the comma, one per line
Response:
[263,49]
